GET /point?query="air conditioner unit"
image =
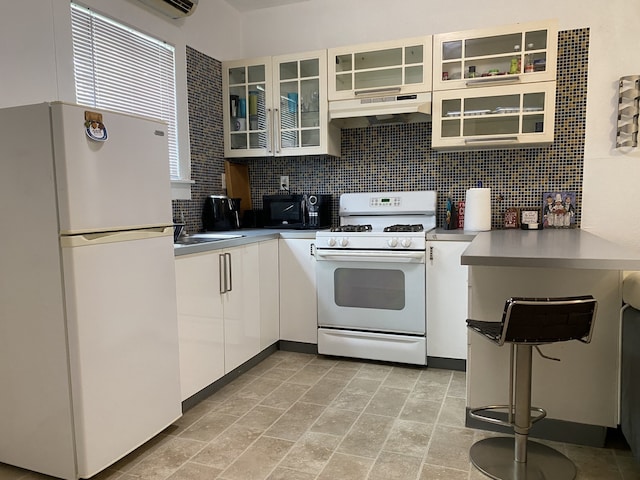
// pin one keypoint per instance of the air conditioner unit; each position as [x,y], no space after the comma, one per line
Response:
[172,8]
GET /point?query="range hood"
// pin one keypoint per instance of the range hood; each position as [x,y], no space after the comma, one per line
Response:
[386,109]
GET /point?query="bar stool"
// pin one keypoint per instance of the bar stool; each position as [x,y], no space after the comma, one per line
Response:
[527,323]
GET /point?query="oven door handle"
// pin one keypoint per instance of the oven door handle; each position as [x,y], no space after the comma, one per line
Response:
[382,256]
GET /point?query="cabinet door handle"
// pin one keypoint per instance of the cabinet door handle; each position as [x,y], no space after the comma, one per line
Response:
[269,133]
[228,286]
[221,273]
[430,253]
[489,141]
[276,130]
[502,79]
[378,91]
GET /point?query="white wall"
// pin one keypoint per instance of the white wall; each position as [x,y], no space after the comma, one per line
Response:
[611,195]
[36,61]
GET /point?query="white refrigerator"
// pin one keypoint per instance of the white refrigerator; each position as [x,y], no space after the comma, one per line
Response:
[89,364]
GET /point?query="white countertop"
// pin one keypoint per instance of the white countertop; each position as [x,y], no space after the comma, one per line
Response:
[549,248]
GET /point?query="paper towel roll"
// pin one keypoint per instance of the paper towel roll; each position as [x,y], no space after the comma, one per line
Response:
[477,215]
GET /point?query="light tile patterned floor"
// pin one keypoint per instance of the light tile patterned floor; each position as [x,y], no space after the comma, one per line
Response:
[306,417]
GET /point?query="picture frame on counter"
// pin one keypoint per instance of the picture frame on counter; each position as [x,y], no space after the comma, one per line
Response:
[512,218]
[559,209]
[530,218]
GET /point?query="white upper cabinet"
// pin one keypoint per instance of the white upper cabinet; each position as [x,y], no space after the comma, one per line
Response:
[520,53]
[397,67]
[277,106]
[506,116]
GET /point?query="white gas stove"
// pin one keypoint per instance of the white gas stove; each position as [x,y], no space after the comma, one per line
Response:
[382,221]
[371,277]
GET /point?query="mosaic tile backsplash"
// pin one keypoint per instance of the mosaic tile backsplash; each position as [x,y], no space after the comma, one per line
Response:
[400,157]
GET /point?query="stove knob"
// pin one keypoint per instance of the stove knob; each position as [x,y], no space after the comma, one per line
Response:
[331,242]
[406,242]
[392,242]
[344,242]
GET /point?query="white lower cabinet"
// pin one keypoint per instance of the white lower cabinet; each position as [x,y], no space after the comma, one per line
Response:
[200,321]
[269,294]
[447,290]
[227,310]
[298,303]
[241,306]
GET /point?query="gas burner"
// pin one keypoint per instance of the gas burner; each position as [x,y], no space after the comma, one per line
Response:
[405,228]
[352,228]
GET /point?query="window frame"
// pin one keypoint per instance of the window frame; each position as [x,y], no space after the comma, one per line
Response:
[181,185]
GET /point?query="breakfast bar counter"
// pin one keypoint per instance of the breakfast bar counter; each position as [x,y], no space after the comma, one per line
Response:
[561,248]
[581,392]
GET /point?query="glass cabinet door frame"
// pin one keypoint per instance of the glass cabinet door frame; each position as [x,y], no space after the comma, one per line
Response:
[303,107]
[453,72]
[277,141]
[531,124]
[406,65]
[244,131]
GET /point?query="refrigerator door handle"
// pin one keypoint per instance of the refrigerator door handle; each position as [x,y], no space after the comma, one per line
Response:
[98,238]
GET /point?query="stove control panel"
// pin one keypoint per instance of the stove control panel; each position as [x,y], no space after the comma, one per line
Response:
[363,241]
[384,202]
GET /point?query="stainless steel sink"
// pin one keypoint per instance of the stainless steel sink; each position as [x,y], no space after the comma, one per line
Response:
[199,238]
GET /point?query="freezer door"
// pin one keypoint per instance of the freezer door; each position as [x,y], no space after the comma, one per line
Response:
[123,345]
[116,184]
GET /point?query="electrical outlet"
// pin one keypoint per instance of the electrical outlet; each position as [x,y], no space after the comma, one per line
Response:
[284,182]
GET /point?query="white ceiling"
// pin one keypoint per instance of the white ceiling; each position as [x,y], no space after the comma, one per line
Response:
[248,5]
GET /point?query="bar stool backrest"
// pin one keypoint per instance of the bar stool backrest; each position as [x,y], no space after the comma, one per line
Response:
[548,320]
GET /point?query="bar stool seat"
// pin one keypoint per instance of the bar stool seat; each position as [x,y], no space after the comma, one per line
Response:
[528,323]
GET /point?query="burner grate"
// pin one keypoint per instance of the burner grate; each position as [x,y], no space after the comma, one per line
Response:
[418,227]
[352,228]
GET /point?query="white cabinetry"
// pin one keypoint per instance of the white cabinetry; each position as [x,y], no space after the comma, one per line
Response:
[447,292]
[269,294]
[521,53]
[398,67]
[200,321]
[495,87]
[508,115]
[240,297]
[298,303]
[277,106]
[224,317]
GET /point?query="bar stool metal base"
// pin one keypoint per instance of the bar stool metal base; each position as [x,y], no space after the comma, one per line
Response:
[494,457]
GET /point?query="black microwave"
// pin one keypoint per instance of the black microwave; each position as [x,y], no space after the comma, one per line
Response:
[297,211]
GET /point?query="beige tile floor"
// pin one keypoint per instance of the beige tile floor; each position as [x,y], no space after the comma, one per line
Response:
[306,417]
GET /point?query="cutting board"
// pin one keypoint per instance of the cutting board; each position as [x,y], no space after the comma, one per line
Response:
[237,178]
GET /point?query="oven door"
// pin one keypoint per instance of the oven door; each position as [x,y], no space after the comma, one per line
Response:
[377,291]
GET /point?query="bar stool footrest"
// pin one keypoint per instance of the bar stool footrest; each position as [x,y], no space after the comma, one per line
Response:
[473,413]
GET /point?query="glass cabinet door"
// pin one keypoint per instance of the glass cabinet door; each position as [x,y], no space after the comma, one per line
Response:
[299,99]
[499,115]
[402,67]
[247,102]
[500,55]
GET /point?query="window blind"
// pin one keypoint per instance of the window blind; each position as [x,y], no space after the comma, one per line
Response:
[120,69]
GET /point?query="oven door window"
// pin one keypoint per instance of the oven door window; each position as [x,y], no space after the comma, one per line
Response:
[369,288]
[371,296]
